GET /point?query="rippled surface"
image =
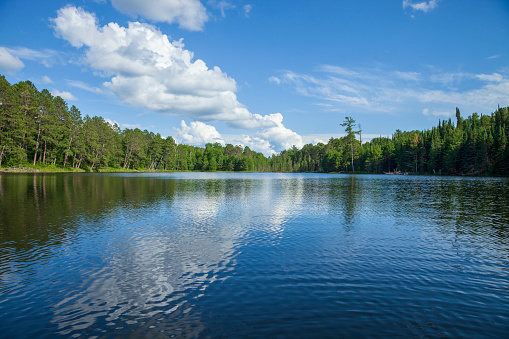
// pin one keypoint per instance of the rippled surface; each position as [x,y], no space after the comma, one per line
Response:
[243,254]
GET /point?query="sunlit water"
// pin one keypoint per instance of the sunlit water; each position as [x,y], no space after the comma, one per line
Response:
[259,255]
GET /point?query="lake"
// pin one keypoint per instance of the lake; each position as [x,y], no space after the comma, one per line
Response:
[253,254]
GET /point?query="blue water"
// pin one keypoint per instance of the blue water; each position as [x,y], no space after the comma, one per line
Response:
[253,255]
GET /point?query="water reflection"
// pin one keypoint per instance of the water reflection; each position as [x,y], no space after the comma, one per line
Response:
[181,254]
[129,248]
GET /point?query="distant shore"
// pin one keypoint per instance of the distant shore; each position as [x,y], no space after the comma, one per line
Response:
[27,170]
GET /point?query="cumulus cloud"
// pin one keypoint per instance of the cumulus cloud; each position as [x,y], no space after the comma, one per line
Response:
[280,136]
[8,62]
[198,133]
[64,95]
[424,6]
[257,144]
[149,70]
[189,14]
[271,140]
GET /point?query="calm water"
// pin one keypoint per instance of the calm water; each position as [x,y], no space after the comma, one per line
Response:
[259,255]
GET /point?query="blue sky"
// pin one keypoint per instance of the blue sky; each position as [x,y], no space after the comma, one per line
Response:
[264,74]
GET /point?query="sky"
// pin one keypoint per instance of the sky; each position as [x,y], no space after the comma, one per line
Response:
[261,73]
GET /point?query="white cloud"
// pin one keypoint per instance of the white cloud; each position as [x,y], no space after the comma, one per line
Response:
[495,77]
[275,80]
[47,57]
[256,144]
[8,62]
[272,139]
[189,14]
[222,6]
[198,134]
[84,86]
[280,136]
[424,6]
[111,122]
[247,9]
[131,126]
[46,80]
[377,90]
[114,122]
[268,141]
[148,70]
[427,113]
[64,95]
[413,76]
[332,88]
[339,70]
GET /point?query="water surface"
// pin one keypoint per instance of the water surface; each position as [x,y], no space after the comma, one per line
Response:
[245,254]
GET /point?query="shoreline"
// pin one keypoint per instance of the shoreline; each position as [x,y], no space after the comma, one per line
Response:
[29,170]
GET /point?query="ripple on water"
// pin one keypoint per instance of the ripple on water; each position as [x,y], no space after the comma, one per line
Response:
[215,255]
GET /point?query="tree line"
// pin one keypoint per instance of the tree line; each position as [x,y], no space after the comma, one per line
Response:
[39,129]
[476,145]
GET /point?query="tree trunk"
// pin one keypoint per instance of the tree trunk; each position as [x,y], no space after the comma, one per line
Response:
[65,159]
[127,156]
[44,154]
[1,155]
[37,142]
[353,169]
[67,152]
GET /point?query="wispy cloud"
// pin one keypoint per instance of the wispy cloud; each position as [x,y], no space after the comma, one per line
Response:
[84,86]
[377,90]
[247,9]
[495,77]
[222,6]
[275,80]
[424,6]
[47,57]
[446,114]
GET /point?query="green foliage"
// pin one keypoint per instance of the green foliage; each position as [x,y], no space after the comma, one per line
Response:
[40,131]
[477,145]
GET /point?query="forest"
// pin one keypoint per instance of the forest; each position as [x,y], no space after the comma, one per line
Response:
[40,131]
